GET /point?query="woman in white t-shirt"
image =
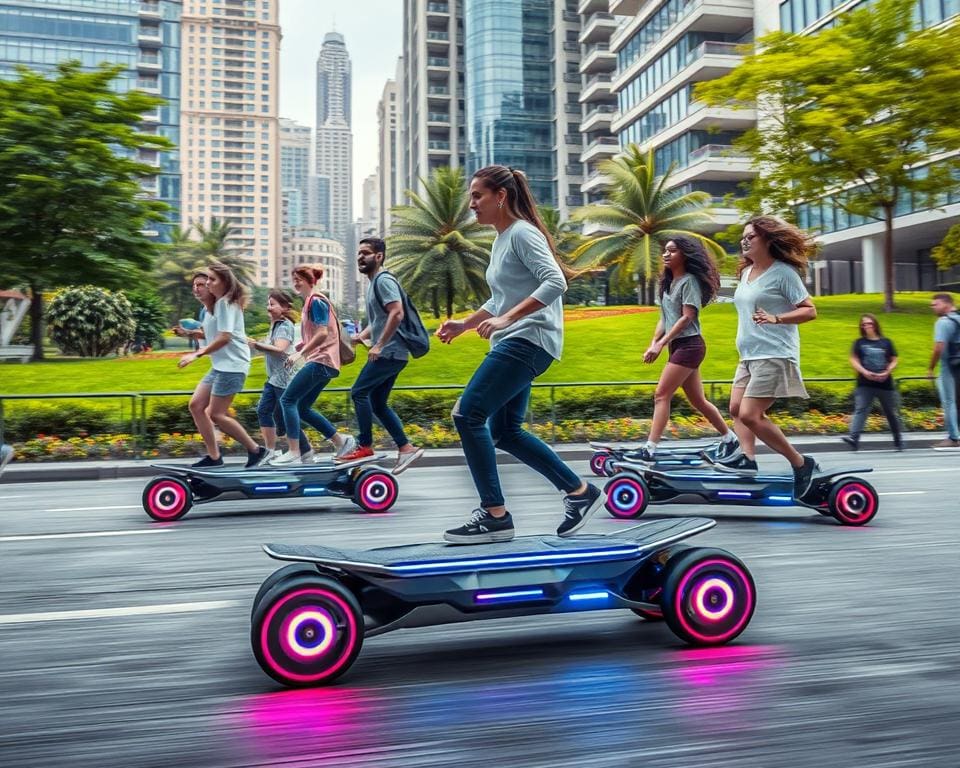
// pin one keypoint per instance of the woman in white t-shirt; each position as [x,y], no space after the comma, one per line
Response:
[771,301]
[228,350]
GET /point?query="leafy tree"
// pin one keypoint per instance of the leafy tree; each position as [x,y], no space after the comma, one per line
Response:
[90,321]
[176,265]
[216,243]
[581,288]
[437,249]
[71,206]
[150,315]
[641,210]
[947,254]
[858,107]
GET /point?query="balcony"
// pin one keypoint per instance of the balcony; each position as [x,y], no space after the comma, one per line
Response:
[438,8]
[600,149]
[573,170]
[438,146]
[148,86]
[438,61]
[439,93]
[149,62]
[595,89]
[598,118]
[571,16]
[149,37]
[571,109]
[597,58]
[438,118]
[715,162]
[153,116]
[571,77]
[571,47]
[598,28]
[626,7]
[150,9]
[595,182]
[438,39]
[587,7]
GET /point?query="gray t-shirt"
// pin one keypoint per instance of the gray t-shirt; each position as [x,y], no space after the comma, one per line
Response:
[686,290]
[521,266]
[388,289]
[777,291]
[278,372]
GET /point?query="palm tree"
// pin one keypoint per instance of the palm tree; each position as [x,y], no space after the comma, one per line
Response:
[642,211]
[178,262]
[216,244]
[437,249]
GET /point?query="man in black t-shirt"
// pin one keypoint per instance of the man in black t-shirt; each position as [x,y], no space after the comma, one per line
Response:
[873,357]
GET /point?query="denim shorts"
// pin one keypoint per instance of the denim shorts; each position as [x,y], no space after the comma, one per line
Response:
[224,383]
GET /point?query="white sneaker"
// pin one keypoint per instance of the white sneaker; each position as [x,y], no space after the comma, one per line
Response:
[270,454]
[6,455]
[404,460]
[349,446]
[309,457]
[285,459]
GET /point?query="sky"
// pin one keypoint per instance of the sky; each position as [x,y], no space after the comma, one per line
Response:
[373,32]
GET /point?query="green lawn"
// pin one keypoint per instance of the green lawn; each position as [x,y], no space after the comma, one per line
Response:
[603,348]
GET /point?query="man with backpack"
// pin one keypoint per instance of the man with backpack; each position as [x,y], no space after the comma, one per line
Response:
[946,350]
[396,333]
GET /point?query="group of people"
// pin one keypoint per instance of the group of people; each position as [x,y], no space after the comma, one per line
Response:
[297,371]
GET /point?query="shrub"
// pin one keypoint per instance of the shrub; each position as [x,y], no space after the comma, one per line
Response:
[149,316]
[62,418]
[90,321]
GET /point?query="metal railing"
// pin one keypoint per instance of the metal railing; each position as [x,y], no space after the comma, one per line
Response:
[138,401]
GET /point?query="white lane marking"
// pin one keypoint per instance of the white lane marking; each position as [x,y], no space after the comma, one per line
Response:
[901,493]
[84,535]
[18,496]
[92,509]
[911,471]
[110,613]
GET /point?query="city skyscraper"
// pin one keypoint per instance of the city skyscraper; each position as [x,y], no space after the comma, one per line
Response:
[143,37]
[334,152]
[509,89]
[295,169]
[431,89]
[390,154]
[230,134]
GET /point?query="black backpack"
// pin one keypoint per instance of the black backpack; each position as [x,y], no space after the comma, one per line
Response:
[411,329]
[952,352]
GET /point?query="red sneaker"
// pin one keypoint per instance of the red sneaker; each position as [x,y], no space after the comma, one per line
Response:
[360,452]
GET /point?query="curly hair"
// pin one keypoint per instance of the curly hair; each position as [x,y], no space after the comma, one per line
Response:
[698,263]
[786,243]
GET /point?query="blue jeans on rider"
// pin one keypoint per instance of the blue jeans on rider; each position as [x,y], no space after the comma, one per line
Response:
[298,398]
[489,415]
[269,413]
[370,392]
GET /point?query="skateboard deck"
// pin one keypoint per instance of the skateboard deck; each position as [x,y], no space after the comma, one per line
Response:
[521,552]
[231,470]
[709,475]
[664,450]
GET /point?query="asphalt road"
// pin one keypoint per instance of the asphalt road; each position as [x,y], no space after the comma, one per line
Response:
[126,643]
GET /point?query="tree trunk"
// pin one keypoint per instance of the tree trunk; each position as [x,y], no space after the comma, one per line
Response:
[449,298]
[889,278]
[435,302]
[36,321]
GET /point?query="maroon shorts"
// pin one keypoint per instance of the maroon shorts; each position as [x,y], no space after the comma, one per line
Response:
[688,351]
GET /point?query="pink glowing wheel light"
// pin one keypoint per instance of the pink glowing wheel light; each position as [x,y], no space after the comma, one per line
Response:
[713,599]
[308,634]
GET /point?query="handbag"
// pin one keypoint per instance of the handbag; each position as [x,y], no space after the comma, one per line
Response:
[347,353]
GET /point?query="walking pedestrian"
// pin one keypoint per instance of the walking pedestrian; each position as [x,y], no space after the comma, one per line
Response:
[873,357]
[946,352]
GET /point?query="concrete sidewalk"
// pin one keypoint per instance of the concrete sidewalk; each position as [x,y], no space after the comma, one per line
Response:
[30,472]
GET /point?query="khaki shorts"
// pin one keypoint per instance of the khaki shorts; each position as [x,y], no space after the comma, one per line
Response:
[773,377]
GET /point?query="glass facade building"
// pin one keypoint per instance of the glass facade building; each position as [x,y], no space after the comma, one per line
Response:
[797,15]
[508,86]
[141,35]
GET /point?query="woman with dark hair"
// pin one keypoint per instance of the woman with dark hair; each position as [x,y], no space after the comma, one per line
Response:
[523,319]
[227,347]
[320,348]
[873,357]
[275,349]
[689,281]
[771,301]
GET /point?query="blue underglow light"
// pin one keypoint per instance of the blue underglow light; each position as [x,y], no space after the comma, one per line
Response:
[314,490]
[517,594]
[601,595]
[272,488]
[734,494]
[780,498]
[617,553]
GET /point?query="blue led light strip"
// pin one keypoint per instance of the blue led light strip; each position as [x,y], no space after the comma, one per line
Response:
[518,594]
[601,595]
[780,498]
[559,558]
[314,490]
[734,494]
[275,488]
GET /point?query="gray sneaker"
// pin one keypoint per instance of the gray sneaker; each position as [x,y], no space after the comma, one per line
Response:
[349,446]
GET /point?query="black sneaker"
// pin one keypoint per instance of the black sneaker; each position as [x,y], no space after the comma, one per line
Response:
[803,477]
[255,457]
[481,528]
[641,454]
[739,465]
[897,445]
[727,450]
[853,442]
[206,461]
[577,509]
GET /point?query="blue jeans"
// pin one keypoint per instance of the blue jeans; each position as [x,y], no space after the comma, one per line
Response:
[489,415]
[947,386]
[300,395]
[269,413]
[370,392]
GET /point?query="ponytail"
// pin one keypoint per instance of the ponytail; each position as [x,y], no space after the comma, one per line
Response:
[521,203]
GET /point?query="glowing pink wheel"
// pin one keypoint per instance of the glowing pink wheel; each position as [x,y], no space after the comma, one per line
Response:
[597,462]
[167,498]
[708,596]
[307,631]
[627,496]
[376,491]
[853,501]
